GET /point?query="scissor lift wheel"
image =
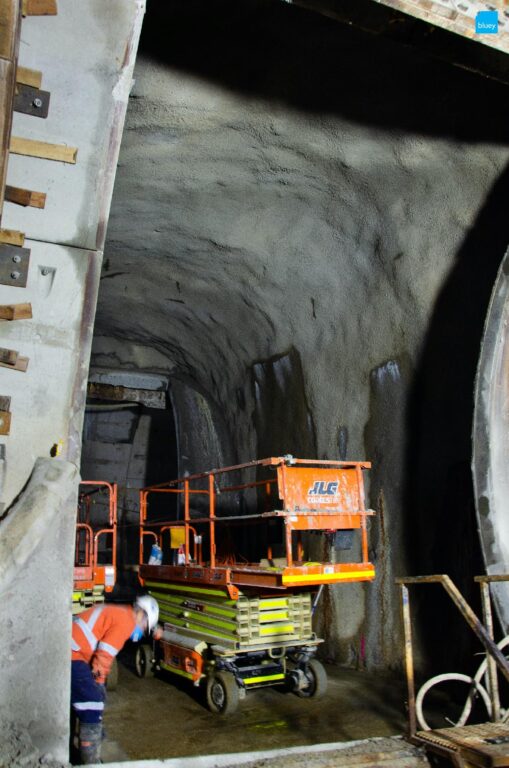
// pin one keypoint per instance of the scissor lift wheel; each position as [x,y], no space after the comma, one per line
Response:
[317,677]
[143,661]
[222,693]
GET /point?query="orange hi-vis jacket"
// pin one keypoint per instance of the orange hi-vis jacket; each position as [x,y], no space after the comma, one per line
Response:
[99,633]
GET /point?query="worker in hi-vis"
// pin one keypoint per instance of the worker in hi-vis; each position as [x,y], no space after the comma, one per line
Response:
[98,634]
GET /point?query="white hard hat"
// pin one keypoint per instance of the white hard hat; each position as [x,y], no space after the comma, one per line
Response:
[151,608]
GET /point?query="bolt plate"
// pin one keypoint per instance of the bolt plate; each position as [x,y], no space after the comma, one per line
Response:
[31,101]
[14,260]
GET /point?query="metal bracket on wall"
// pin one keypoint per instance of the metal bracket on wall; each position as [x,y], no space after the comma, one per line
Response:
[31,101]
[14,264]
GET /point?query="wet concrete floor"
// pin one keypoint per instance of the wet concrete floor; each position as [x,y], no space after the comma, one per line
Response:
[165,717]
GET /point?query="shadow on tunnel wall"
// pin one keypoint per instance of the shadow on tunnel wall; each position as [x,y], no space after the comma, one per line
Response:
[441,527]
[303,60]
[282,418]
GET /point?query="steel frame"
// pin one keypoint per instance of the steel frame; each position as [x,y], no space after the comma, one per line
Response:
[296,517]
[91,574]
[484,633]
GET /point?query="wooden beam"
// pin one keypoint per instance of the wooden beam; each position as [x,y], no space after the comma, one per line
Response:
[8,356]
[27,76]
[15,311]
[5,422]
[43,149]
[12,237]
[25,197]
[9,16]
[39,7]
[21,364]
[149,397]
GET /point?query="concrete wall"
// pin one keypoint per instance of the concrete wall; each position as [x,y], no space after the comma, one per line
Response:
[36,621]
[87,56]
[306,227]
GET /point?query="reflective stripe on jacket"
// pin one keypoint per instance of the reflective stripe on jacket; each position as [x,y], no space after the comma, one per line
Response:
[99,633]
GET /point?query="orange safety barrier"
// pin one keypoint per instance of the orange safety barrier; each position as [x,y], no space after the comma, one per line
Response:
[88,572]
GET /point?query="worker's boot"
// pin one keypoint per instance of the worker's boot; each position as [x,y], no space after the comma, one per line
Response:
[90,743]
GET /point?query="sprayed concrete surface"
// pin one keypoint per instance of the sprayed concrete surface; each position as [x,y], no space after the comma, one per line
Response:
[156,718]
[295,235]
[89,90]
[373,753]
[34,637]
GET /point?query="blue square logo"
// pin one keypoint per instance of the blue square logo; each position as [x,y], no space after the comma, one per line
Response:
[486,23]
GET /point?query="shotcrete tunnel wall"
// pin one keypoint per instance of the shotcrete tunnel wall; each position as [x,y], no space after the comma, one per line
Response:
[306,227]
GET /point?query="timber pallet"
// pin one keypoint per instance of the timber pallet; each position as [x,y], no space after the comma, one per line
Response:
[483,746]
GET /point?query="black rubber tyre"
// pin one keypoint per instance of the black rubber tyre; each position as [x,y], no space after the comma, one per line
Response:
[143,661]
[317,677]
[222,693]
[112,679]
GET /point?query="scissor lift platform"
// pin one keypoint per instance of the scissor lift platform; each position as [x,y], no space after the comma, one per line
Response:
[96,527]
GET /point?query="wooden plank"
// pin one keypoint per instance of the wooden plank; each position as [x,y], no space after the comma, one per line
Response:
[10,21]
[16,311]
[39,7]
[21,364]
[25,197]
[27,76]
[12,237]
[9,14]
[43,149]
[8,356]
[5,422]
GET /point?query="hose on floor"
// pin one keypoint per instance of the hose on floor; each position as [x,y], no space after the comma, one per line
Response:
[476,688]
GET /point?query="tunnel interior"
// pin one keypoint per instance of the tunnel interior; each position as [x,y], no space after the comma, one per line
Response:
[307,223]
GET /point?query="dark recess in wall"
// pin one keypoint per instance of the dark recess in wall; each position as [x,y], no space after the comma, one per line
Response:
[441,529]
[282,417]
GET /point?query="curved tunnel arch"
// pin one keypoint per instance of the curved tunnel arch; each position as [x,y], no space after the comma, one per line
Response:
[490,464]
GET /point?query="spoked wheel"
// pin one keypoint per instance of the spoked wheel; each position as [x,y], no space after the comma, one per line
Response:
[143,661]
[112,680]
[222,693]
[317,681]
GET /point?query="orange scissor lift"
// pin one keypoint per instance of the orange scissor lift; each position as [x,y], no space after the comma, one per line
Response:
[237,624]
[95,556]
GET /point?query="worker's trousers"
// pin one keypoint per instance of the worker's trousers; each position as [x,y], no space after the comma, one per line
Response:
[87,696]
